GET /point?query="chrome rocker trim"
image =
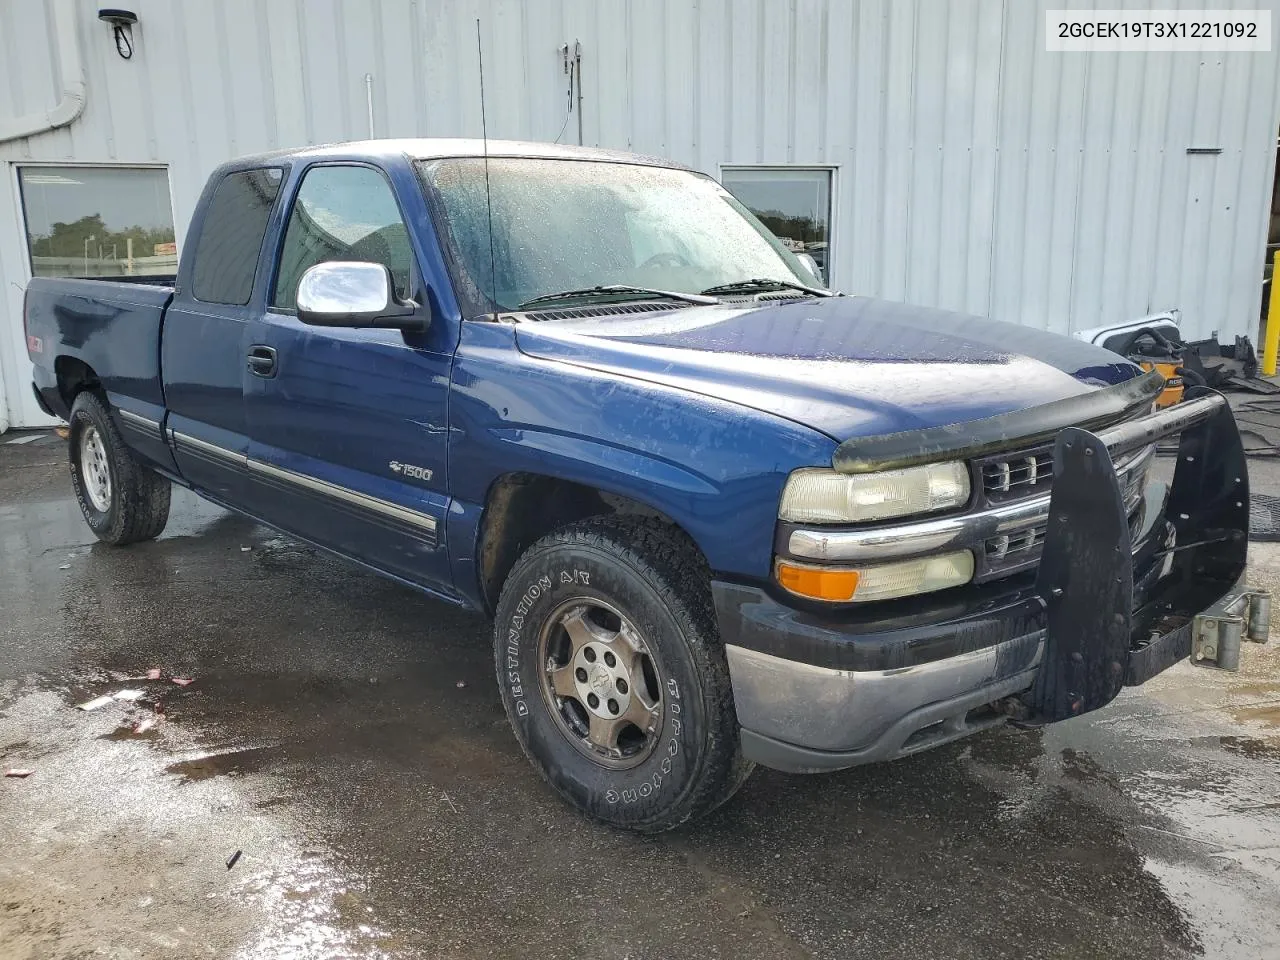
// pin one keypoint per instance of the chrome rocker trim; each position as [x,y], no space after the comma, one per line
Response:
[383,507]
[137,420]
[180,440]
[373,504]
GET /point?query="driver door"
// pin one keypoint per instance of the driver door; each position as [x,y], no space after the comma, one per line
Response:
[348,426]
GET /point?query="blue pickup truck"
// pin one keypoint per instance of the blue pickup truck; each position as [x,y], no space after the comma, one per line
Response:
[718,514]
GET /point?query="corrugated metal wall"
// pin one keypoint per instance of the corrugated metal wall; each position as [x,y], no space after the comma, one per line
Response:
[973,170]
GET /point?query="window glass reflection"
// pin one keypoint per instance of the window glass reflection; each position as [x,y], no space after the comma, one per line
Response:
[98,221]
[794,203]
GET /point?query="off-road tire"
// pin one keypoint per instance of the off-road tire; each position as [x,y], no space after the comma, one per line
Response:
[653,575]
[139,502]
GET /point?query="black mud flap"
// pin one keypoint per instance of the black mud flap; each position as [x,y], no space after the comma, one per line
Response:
[1103,629]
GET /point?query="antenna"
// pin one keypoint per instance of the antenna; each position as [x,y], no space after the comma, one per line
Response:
[488,198]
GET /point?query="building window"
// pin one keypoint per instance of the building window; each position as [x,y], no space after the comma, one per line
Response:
[98,221]
[793,202]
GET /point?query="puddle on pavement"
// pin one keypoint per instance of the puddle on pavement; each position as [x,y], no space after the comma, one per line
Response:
[128,732]
[314,911]
[1254,748]
[1264,713]
[228,763]
[281,553]
[1211,837]
[1202,820]
[1257,688]
[1077,765]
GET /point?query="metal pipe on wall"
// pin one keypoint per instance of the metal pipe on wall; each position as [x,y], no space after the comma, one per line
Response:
[577,66]
[368,100]
[71,104]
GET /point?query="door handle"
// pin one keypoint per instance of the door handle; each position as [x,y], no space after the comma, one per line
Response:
[262,361]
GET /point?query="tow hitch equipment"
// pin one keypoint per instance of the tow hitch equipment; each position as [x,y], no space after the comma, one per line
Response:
[1242,614]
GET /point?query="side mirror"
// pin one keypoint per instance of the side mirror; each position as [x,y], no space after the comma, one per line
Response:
[347,293]
[811,265]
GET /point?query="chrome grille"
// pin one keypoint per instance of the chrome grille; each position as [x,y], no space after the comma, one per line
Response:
[1014,546]
[1022,474]
[1007,552]
[1133,471]
[1029,473]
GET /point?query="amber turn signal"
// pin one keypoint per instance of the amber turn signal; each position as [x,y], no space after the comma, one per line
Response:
[818,583]
[881,581]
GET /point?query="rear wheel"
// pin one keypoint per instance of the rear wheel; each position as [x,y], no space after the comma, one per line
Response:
[122,500]
[613,676]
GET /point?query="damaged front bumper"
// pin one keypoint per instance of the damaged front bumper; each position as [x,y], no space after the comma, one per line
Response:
[1102,613]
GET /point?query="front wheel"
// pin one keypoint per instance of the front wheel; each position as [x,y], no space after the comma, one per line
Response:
[613,676]
[122,500]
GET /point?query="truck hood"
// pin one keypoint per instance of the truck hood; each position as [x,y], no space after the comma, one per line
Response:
[845,366]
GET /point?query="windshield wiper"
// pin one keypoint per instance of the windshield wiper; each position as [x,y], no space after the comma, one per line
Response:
[616,291]
[760,284]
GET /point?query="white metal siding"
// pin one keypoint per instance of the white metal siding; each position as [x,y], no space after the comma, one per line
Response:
[974,170]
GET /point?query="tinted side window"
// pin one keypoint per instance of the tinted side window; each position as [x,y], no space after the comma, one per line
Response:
[231,236]
[342,213]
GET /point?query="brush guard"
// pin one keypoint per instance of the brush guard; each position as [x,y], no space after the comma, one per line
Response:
[1104,628]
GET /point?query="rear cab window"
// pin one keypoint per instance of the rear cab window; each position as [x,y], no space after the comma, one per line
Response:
[230,241]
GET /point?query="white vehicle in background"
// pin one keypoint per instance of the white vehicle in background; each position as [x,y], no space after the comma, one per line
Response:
[1167,322]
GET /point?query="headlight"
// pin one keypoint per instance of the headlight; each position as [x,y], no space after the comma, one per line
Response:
[820,495]
[882,581]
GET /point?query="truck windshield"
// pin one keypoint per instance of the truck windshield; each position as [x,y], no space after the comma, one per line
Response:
[570,225]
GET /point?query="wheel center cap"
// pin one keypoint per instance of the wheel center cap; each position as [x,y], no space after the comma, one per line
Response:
[600,680]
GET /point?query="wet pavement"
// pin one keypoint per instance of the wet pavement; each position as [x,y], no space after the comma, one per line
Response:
[345,735]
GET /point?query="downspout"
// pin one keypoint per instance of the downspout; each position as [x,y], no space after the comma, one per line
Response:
[71,104]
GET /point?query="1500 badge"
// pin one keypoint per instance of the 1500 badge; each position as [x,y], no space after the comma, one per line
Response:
[409,470]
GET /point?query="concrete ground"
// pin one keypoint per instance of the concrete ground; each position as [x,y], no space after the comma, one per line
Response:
[345,736]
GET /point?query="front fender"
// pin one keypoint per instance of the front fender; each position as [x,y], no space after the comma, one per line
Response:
[715,468]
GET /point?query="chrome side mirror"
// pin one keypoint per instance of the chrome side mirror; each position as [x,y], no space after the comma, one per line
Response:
[811,265]
[348,293]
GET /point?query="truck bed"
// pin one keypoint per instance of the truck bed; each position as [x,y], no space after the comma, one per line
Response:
[113,326]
